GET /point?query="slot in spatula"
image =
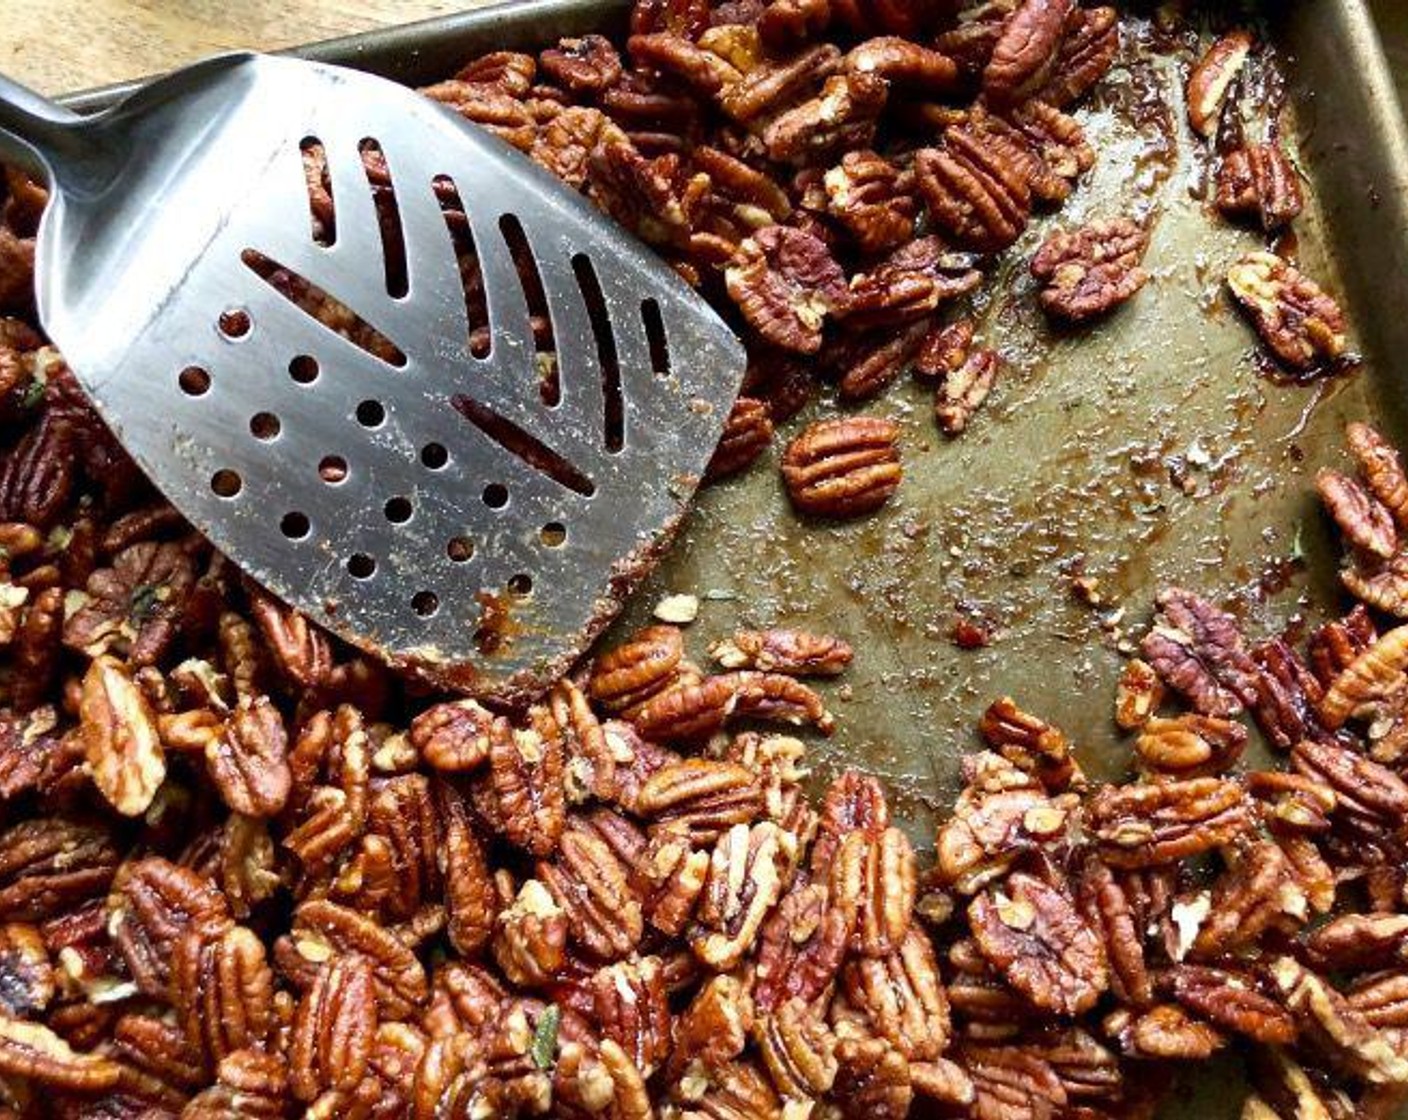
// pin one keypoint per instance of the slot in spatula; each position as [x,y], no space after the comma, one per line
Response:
[424,393]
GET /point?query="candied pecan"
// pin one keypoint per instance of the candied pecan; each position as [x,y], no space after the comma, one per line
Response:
[588,882]
[1108,910]
[26,750]
[872,1079]
[1358,941]
[1374,676]
[801,946]
[753,198]
[908,284]
[134,607]
[904,64]
[1091,270]
[1033,934]
[629,1002]
[455,736]
[693,710]
[841,118]
[1292,801]
[842,467]
[698,798]
[1371,800]
[1331,1027]
[965,389]
[944,350]
[746,435]
[787,23]
[795,652]
[524,787]
[1287,695]
[743,885]
[249,1083]
[584,66]
[872,199]
[323,930]
[26,976]
[333,1028]
[976,187]
[1380,584]
[1212,77]
[222,990]
[1301,325]
[868,362]
[1148,825]
[1364,521]
[530,935]
[768,87]
[153,903]
[564,146]
[489,106]
[624,677]
[877,874]
[1260,181]
[1138,694]
[50,864]
[1165,1031]
[902,998]
[38,475]
[990,828]
[248,761]
[1232,1001]
[1030,744]
[1198,651]
[1011,1083]
[704,71]
[1026,51]
[1382,998]
[470,899]
[300,650]
[798,1050]
[1190,744]
[33,1051]
[641,193]
[1258,891]
[1382,468]
[785,282]
[714,1028]
[120,738]
[1091,43]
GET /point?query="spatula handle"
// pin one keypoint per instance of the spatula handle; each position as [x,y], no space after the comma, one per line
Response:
[32,128]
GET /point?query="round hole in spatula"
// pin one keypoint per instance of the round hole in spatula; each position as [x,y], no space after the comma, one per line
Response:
[371,414]
[294,525]
[459,549]
[521,584]
[226,483]
[425,603]
[496,495]
[264,425]
[434,456]
[194,381]
[235,323]
[360,566]
[398,510]
[304,369]
[553,534]
[332,469]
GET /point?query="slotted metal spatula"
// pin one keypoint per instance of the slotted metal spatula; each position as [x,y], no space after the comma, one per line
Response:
[428,395]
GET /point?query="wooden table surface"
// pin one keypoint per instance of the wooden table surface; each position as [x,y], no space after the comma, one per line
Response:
[58,45]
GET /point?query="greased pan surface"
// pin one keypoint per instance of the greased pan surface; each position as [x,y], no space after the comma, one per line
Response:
[1151,449]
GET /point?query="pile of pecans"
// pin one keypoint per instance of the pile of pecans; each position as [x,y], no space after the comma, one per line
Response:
[244,873]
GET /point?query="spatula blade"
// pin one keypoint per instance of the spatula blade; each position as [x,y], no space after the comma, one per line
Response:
[316,405]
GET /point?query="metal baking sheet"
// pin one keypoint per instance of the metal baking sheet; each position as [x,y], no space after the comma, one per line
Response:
[1151,449]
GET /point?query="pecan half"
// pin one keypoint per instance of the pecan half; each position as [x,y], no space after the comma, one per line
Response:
[120,738]
[1091,270]
[1147,825]
[1233,1001]
[872,199]
[965,389]
[1199,652]
[785,282]
[1212,77]
[1331,1026]
[1190,744]
[248,761]
[976,187]
[1026,51]
[333,1028]
[49,865]
[33,1051]
[794,652]
[223,990]
[1033,934]
[843,467]
[1365,522]
[872,1079]
[1300,324]
[744,884]
[841,118]
[1372,678]
[746,435]
[587,65]
[1259,181]
[133,608]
